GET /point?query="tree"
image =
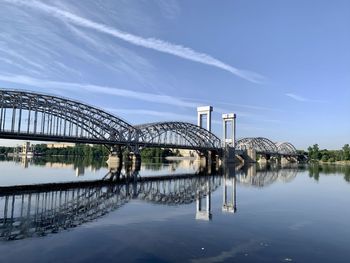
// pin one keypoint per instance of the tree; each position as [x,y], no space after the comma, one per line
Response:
[314,152]
[346,152]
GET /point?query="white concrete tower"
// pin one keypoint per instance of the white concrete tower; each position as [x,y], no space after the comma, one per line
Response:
[229,129]
[204,111]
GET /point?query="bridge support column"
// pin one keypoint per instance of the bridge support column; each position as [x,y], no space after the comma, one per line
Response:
[207,161]
[284,160]
[288,159]
[229,154]
[264,159]
[202,160]
[115,158]
[274,159]
[135,159]
[250,156]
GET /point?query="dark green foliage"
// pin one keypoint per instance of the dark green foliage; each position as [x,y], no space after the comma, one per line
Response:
[5,150]
[149,153]
[78,150]
[315,154]
[346,152]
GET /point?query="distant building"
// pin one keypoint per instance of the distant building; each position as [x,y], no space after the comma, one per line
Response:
[187,153]
[60,145]
[24,150]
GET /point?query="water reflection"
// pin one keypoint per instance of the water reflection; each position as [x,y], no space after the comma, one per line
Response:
[30,211]
[229,190]
[40,209]
[329,169]
[264,175]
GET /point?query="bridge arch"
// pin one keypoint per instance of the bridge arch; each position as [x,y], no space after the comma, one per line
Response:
[34,116]
[286,148]
[41,116]
[180,134]
[260,144]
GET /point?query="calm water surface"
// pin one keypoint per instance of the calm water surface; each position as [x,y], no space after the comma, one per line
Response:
[173,212]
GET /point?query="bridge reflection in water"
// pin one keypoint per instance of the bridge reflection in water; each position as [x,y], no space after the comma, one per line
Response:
[38,210]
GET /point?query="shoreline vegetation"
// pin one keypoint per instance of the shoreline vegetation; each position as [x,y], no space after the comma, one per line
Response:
[324,156]
[314,153]
[335,163]
[91,151]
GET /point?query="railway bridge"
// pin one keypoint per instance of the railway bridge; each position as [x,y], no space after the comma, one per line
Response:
[32,116]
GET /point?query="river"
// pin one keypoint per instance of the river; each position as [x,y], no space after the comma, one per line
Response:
[76,210]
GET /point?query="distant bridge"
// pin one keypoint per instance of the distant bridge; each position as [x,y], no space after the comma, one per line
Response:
[265,146]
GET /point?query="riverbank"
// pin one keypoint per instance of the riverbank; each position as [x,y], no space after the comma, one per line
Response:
[335,163]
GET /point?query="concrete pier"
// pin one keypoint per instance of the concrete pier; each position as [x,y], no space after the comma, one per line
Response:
[249,156]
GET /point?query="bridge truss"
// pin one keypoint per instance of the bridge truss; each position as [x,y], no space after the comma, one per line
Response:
[33,116]
[265,146]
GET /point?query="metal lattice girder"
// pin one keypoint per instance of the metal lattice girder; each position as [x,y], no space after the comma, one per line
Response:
[265,146]
[260,144]
[286,148]
[183,134]
[35,113]
[34,116]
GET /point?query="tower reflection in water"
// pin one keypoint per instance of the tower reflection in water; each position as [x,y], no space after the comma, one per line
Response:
[228,182]
[229,190]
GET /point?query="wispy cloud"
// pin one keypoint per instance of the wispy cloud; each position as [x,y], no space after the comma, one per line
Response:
[296,97]
[58,85]
[151,43]
[302,99]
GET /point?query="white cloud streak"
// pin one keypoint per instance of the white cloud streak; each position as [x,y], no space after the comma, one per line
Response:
[58,85]
[150,43]
[302,99]
[296,97]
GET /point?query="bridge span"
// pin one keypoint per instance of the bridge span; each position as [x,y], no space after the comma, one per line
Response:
[26,115]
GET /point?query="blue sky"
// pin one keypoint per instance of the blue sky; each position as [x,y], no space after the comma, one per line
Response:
[282,66]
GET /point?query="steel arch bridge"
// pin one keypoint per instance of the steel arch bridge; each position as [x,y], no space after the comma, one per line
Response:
[265,146]
[286,148]
[177,133]
[35,116]
[259,144]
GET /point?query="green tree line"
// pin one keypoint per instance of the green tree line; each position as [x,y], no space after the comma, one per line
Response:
[149,153]
[324,155]
[84,150]
[78,150]
[5,150]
